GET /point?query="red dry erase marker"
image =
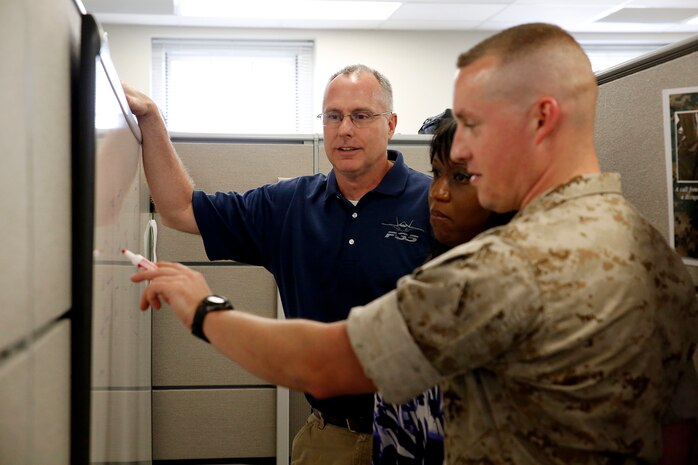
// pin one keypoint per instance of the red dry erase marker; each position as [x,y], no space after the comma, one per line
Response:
[139,260]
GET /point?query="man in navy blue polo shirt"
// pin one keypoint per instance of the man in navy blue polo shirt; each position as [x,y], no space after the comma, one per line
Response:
[332,242]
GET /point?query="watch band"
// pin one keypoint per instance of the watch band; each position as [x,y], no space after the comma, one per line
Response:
[211,303]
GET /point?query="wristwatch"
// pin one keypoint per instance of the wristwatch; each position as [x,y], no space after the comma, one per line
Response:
[211,303]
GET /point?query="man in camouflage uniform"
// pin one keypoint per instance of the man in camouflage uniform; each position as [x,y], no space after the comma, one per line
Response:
[561,336]
[564,337]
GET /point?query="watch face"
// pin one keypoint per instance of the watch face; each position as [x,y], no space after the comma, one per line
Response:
[215,299]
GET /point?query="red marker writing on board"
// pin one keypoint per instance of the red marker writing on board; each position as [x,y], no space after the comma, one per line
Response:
[139,260]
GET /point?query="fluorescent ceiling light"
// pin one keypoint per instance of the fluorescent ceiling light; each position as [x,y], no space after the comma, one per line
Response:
[290,9]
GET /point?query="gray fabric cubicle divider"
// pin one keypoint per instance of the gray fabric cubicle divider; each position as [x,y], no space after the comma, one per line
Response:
[39,45]
[630,126]
[205,406]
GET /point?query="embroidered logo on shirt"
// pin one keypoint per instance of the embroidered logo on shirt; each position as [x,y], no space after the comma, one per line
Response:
[402,231]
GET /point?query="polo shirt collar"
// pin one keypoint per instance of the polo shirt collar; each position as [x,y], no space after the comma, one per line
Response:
[393,182]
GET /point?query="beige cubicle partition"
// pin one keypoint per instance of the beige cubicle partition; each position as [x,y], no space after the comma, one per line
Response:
[630,126]
[205,406]
[39,43]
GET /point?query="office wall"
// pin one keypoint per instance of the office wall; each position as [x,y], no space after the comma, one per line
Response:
[420,64]
[421,85]
[39,43]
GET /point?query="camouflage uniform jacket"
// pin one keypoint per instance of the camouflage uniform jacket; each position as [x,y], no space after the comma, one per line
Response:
[557,339]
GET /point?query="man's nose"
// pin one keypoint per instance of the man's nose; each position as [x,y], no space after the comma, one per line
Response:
[346,125]
[459,148]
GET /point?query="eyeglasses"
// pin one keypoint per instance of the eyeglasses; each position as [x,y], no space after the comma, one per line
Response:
[360,119]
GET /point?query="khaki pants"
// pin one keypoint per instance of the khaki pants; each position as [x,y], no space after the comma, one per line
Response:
[318,443]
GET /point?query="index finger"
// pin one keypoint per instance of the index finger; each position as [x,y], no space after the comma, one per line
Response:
[163,269]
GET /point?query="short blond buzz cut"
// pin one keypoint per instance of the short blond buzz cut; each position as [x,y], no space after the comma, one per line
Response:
[538,58]
[517,42]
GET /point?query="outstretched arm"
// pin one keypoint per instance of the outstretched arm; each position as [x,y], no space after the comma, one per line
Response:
[169,183]
[300,354]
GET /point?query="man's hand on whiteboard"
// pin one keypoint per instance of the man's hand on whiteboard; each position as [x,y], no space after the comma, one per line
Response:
[140,104]
[175,284]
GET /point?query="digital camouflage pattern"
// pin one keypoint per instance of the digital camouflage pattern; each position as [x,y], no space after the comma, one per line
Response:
[559,338]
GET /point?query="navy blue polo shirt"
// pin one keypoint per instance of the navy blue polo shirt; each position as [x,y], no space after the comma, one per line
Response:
[326,254]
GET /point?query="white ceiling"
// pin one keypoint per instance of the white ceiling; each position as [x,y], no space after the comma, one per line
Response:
[644,16]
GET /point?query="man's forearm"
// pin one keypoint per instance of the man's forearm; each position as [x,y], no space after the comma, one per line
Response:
[305,355]
[300,354]
[169,183]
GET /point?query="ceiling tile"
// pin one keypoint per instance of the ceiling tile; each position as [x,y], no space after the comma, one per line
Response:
[143,7]
[572,3]
[464,2]
[492,15]
[651,15]
[446,11]
[662,3]
[556,14]
[420,25]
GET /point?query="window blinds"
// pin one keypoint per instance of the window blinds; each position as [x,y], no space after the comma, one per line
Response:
[234,86]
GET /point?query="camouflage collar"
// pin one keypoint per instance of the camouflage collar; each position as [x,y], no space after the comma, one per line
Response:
[579,186]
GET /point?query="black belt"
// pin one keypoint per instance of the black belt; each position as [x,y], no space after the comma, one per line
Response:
[363,425]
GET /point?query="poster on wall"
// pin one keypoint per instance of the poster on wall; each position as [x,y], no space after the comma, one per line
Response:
[681,152]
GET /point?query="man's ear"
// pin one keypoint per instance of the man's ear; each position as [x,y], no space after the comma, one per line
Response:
[392,124]
[547,113]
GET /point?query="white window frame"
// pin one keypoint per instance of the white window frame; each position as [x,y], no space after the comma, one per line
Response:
[234,86]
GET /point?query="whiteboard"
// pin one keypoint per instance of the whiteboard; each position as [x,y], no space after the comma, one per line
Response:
[112,210]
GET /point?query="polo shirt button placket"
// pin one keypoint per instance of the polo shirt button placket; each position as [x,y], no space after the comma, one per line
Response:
[353,215]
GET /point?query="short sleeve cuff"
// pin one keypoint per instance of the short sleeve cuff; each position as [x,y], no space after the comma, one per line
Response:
[387,352]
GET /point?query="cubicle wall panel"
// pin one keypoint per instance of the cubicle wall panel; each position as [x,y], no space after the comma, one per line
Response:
[54,41]
[416,154]
[630,133]
[241,167]
[214,423]
[179,359]
[34,389]
[15,409]
[14,177]
[38,41]
[178,246]
[50,353]
[238,417]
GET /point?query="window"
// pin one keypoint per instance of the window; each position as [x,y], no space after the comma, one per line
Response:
[604,56]
[234,86]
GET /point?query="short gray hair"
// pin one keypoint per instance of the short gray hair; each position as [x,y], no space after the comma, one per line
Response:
[357,70]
